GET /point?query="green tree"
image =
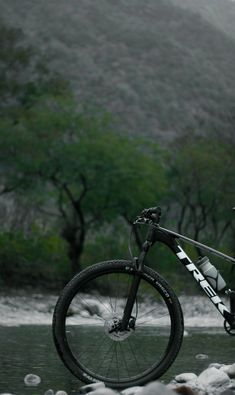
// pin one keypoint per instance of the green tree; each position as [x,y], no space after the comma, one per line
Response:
[203,186]
[75,167]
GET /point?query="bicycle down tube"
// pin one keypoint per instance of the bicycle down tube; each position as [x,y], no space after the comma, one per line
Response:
[169,238]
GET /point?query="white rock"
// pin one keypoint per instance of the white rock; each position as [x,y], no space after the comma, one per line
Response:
[227,391]
[132,391]
[201,356]
[213,377]
[32,380]
[61,393]
[231,371]
[91,387]
[103,391]
[185,377]
[216,365]
[49,392]
[156,388]
[232,384]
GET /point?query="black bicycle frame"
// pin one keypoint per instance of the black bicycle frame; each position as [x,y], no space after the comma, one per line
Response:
[169,238]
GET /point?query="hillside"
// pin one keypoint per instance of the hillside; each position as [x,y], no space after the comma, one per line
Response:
[159,68]
[220,13]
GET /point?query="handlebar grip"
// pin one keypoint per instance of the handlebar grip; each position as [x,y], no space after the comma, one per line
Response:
[151,210]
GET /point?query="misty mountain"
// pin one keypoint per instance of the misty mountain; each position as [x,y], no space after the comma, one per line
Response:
[159,67]
[220,13]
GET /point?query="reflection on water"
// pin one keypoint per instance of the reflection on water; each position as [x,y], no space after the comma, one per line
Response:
[30,349]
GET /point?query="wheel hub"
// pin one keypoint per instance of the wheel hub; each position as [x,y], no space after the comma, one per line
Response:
[113,329]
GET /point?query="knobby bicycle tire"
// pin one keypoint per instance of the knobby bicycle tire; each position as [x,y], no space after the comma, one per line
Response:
[86,310]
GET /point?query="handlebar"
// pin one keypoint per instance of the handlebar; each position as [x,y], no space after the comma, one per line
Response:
[150,214]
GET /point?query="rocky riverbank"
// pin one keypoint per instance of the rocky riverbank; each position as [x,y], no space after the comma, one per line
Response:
[217,379]
[22,308]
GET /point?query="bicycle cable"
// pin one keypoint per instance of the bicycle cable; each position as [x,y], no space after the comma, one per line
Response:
[129,243]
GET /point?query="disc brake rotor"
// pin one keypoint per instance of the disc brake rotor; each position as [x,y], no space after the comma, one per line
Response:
[113,330]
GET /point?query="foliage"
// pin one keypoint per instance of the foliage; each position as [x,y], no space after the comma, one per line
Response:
[81,170]
[202,186]
[81,182]
[37,260]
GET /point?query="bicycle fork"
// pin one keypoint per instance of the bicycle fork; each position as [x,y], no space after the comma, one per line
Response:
[128,321]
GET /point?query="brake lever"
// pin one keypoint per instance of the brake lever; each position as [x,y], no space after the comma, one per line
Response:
[141,220]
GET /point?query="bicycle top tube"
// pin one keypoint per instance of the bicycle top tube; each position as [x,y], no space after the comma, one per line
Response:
[197,244]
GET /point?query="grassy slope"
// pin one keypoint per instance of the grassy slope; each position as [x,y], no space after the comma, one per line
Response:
[158,68]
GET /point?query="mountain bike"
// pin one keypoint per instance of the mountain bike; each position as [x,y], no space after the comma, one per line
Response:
[120,322]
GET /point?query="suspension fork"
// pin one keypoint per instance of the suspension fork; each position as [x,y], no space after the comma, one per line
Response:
[136,279]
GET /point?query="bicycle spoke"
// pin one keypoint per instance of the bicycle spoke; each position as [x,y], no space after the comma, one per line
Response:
[98,343]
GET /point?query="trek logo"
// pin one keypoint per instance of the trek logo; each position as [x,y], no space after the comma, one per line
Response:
[203,282]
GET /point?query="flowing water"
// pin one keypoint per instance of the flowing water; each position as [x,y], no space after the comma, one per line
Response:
[29,349]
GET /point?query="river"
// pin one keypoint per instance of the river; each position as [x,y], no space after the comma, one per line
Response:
[27,347]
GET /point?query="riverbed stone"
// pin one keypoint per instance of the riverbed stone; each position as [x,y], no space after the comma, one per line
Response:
[232,384]
[104,391]
[216,365]
[91,387]
[231,371]
[156,388]
[132,390]
[201,357]
[32,380]
[212,377]
[184,390]
[60,392]
[49,392]
[185,377]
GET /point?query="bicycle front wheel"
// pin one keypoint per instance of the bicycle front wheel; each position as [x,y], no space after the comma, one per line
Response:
[91,305]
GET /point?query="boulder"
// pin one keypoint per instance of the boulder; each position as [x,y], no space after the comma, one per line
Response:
[212,377]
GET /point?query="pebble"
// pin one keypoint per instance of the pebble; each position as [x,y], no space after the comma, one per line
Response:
[49,392]
[91,387]
[201,356]
[32,380]
[217,379]
[184,377]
